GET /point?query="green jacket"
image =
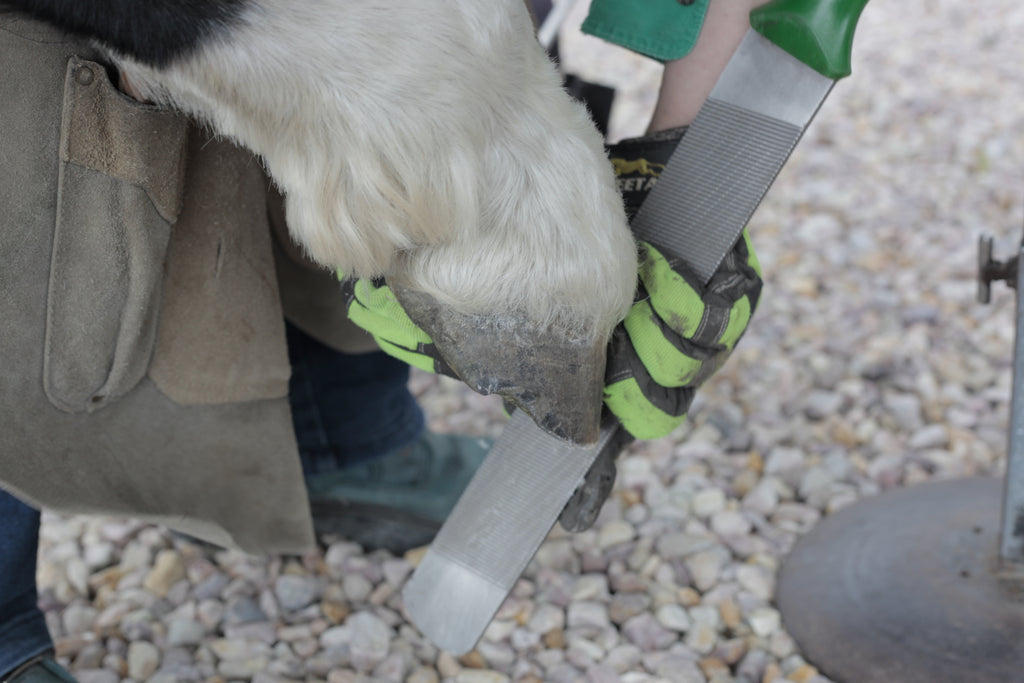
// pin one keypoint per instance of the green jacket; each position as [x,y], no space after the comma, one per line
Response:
[660,29]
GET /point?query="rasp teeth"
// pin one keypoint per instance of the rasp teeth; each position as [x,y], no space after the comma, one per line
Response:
[495,529]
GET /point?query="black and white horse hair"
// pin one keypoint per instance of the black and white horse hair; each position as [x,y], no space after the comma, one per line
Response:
[423,140]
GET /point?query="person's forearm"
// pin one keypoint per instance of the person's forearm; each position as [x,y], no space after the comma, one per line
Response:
[687,82]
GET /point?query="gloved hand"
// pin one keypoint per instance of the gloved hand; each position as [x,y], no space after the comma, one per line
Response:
[673,339]
[373,306]
[676,336]
[679,332]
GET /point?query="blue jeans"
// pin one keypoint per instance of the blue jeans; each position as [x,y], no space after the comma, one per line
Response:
[23,631]
[346,409]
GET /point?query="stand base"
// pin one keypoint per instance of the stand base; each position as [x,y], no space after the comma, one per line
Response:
[903,588]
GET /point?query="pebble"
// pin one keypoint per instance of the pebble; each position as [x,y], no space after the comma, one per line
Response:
[625,606]
[78,618]
[475,676]
[357,587]
[591,587]
[764,621]
[90,656]
[118,532]
[781,644]
[905,410]
[98,555]
[587,613]
[395,571]
[447,666]
[499,655]
[814,483]
[228,648]
[167,570]
[340,676]
[115,663]
[522,639]
[628,582]
[143,659]
[705,567]
[601,674]
[753,666]
[621,658]
[370,640]
[243,610]
[97,676]
[614,533]
[295,592]
[305,648]
[209,613]
[708,502]
[337,553]
[242,668]
[682,544]
[732,651]
[822,404]
[763,498]
[730,523]
[757,580]
[333,637]
[647,633]
[674,617]
[210,587]
[136,555]
[422,675]
[585,651]
[137,625]
[783,459]
[499,630]
[185,632]
[701,638]
[731,614]
[546,618]
[932,436]
[554,639]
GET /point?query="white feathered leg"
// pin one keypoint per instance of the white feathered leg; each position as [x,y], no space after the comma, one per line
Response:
[428,142]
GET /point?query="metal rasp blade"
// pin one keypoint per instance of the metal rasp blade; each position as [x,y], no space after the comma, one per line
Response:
[494,531]
[723,166]
[714,181]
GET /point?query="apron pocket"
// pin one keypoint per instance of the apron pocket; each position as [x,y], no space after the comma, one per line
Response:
[119,193]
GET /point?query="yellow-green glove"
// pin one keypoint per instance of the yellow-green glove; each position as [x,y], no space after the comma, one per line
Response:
[373,307]
[679,332]
[676,336]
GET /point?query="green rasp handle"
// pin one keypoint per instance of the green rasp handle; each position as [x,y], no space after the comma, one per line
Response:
[817,32]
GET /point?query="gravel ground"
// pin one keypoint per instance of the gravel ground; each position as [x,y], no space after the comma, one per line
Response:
[868,366]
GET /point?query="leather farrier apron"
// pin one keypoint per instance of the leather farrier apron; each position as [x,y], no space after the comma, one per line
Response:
[143,366]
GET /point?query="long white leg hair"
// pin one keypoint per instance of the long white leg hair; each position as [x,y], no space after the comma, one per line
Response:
[426,140]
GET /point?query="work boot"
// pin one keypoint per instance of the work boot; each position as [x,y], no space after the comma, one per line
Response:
[398,501]
[40,669]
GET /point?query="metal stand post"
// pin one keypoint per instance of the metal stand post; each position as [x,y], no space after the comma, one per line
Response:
[1011,538]
[924,584]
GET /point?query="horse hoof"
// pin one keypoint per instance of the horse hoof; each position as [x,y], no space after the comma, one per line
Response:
[556,381]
